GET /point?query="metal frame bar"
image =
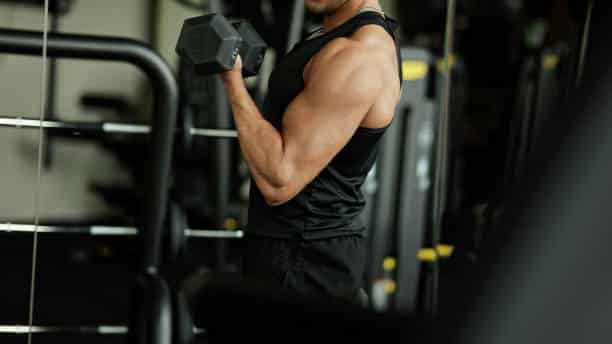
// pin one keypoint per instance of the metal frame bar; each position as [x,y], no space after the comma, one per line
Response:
[98,330]
[586,31]
[442,156]
[105,330]
[114,231]
[415,189]
[78,128]
[296,26]
[165,108]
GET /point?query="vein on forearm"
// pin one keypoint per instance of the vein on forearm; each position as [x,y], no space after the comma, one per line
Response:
[261,144]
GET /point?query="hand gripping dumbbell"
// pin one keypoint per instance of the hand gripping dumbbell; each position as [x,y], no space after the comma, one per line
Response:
[212,43]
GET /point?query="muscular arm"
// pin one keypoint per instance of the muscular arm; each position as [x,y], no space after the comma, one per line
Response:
[341,87]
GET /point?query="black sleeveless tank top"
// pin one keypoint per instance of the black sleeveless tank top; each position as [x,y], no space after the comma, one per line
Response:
[331,204]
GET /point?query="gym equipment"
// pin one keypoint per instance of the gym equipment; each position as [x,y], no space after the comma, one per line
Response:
[117,104]
[151,310]
[114,231]
[97,128]
[175,238]
[150,317]
[164,110]
[253,48]
[184,329]
[281,23]
[584,41]
[369,189]
[296,25]
[105,330]
[211,43]
[52,83]
[221,159]
[402,205]
[578,46]
[542,238]
[415,197]
[151,320]
[55,6]
[98,329]
[442,156]
[156,327]
[538,96]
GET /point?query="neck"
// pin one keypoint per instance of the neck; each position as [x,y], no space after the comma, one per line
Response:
[347,11]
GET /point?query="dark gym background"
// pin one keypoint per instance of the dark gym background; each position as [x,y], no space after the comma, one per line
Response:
[515,65]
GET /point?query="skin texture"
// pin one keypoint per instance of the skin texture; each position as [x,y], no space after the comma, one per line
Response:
[325,7]
[351,82]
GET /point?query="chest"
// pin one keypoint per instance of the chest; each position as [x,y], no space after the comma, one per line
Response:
[287,80]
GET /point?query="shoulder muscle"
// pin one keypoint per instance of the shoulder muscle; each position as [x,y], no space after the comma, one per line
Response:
[343,69]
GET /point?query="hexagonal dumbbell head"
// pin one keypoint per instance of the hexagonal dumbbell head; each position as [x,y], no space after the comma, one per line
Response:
[253,48]
[210,43]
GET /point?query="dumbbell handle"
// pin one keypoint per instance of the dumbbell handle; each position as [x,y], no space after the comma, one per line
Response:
[79,128]
[114,231]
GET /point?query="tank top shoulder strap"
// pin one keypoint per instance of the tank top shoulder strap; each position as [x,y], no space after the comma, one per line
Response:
[363,19]
[374,18]
[352,25]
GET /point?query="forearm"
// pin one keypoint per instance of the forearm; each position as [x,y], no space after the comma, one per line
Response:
[261,144]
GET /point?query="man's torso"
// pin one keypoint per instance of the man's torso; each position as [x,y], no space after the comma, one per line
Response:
[330,205]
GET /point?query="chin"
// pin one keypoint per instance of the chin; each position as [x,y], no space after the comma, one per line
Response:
[324,7]
[315,6]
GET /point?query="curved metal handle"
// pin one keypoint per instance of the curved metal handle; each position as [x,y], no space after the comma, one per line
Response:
[165,109]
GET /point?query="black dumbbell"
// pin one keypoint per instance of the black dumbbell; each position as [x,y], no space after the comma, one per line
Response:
[211,43]
[253,48]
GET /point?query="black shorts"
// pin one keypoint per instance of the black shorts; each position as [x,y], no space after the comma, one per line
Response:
[318,268]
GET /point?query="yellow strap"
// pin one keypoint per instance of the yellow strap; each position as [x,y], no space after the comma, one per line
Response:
[441,64]
[230,224]
[427,255]
[390,287]
[430,255]
[414,69]
[445,251]
[550,61]
[389,264]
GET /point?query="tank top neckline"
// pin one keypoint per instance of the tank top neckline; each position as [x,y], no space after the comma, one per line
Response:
[361,14]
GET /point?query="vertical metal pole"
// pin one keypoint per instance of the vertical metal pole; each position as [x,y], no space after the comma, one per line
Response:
[442,149]
[222,164]
[221,155]
[51,93]
[215,6]
[296,26]
[152,18]
[585,42]
[39,163]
